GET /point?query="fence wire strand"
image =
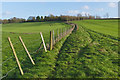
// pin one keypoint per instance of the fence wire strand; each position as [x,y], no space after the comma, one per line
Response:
[9,45]
[69,30]
[17,53]
[16,66]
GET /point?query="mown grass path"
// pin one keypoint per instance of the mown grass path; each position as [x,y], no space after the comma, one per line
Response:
[86,54]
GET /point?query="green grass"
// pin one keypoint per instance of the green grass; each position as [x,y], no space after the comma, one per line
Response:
[0,50]
[86,53]
[32,42]
[32,27]
[109,27]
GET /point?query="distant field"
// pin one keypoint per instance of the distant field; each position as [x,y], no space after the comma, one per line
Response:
[32,27]
[14,30]
[109,27]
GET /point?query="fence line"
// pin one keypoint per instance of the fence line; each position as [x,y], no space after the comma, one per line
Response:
[19,42]
[9,45]
[6,60]
[17,53]
[8,72]
[22,61]
[16,66]
[53,39]
[60,34]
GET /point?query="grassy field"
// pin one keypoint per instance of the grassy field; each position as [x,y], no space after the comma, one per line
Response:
[89,52]
[109,27]
[32,27]
[0,50]
[32,41]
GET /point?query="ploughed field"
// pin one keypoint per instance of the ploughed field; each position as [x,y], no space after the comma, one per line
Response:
[89,52]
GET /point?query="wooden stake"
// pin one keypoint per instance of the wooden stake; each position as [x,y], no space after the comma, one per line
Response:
[65,31]
[68,30]
[26,50]
[58,34]
[61,33]
[43,41]
[15,56]
[51,37]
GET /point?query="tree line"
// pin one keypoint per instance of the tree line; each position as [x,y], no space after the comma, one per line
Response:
[48,18]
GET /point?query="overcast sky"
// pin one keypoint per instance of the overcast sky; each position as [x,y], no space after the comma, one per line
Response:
[26,9]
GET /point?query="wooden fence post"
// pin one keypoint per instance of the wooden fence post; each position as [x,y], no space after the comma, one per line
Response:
[65,31]
[43,41]
[61,33]
[58,35]
[69,29]
[26,50]
[51,37]
[15,56]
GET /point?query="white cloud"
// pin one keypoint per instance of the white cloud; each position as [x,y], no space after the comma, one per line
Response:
[112,4]
[85,7]
[6,13]
[73,12]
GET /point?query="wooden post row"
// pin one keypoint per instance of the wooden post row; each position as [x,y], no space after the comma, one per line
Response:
[15,56]
[51,37]
[26,50]
[43,42]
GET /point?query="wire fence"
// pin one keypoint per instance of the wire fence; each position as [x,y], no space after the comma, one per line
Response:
[19,52]
[55,36]
[58,34]
[16,65]
[10,57]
